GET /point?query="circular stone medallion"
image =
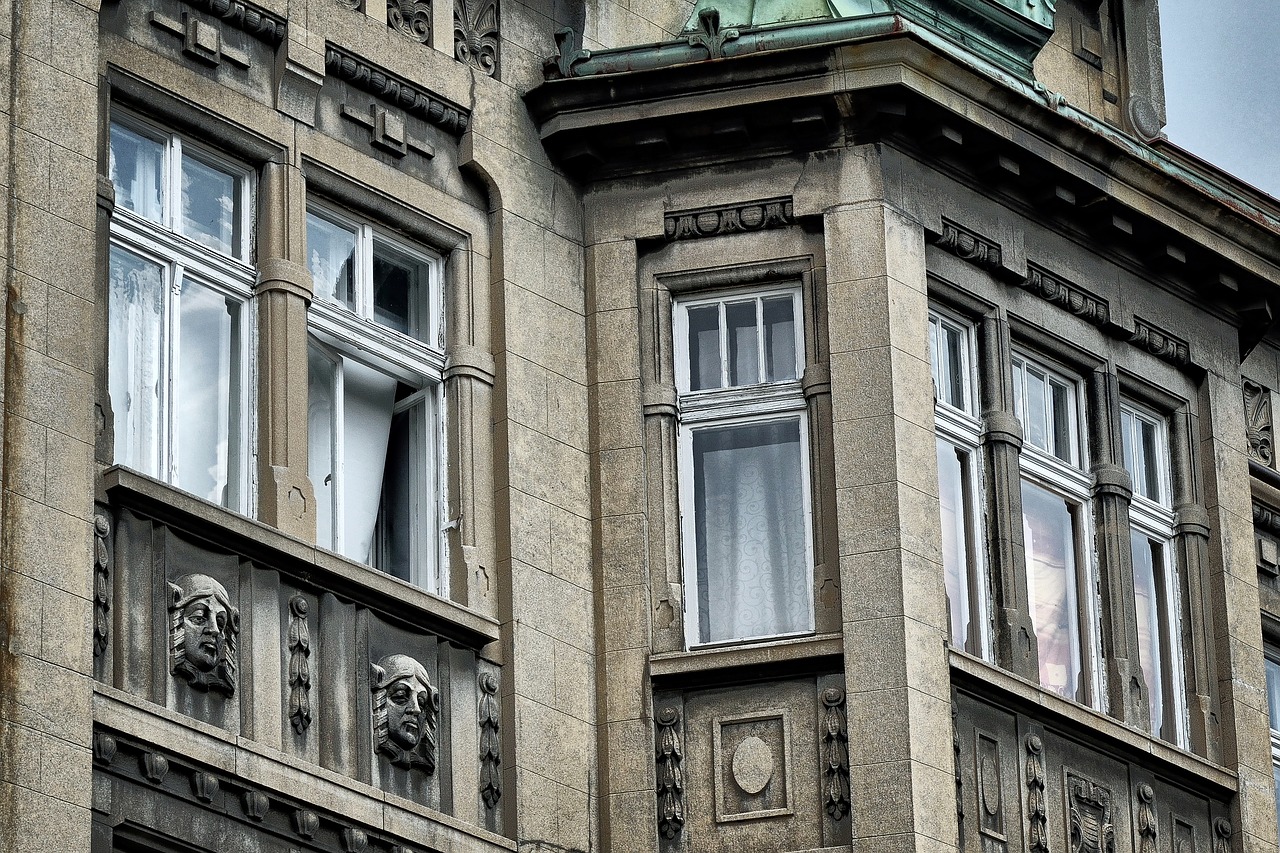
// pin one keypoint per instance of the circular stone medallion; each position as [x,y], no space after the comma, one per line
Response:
[752,765]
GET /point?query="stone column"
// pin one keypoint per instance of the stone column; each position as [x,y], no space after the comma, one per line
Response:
[890,542]
[286,499]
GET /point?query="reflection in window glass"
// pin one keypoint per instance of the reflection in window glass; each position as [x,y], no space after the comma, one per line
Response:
[1045,404]
[399,291]
[704,347]
[780,338]
[744,356]
[753,578]
[206,401]
[136,353]
[1143,444]
[958,563]
[210,206]
[137,170]
[1273,692]
[949,362]
[1153,640]
[1050,535]
[331,255]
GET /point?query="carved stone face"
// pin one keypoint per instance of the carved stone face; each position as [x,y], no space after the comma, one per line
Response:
[408,699]
[204,627]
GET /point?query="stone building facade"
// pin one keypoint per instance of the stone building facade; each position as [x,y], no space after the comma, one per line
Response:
[481,425]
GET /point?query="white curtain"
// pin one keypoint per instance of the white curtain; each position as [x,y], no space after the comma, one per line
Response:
[754,578]
[203,395]
[368,398]
[136,308]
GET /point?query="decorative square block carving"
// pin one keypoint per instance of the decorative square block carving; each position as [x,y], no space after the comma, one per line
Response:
[752,766]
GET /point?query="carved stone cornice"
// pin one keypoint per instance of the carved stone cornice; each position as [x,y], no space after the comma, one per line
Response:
[1160,343]
[385,86]
[1065,295]
[970,246]
[728,219]
[258,23]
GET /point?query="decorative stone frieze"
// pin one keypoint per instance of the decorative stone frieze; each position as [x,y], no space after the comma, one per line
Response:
[258,23]
[255,804]
[730,219]
[969,246]
[1258,424]
[299,648]
[203,626]
[400,93]
[835,754]
[1160,343]
[1070,297]
[406,709]
[104,748]
[490,742]
[670,773]
[475,34]
[411,18]
[1037,816]
[154,767]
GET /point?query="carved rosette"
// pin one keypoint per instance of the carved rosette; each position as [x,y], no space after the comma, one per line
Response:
[475,34]
[969,246]
[1258,423]
[101,582]
[1037,817]
[1057,291]
[490,742]
[1221,835]
[730,219]
[835,754]
[1089,818]
[299,642]
[1147,824]
[411,18]
[670,774]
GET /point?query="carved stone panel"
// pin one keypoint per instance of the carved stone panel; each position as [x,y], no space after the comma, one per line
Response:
[1089,809]
[475,34]
[203,627]
[1258,423]
[752,770]
[991,809]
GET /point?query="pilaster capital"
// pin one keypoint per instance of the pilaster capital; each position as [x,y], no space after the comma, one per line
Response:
[281,274]
[470,361]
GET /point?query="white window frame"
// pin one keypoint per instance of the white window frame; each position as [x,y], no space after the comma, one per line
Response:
[762,402]
[182,257]
[1154,518]
[961,427]
[1271,669]
[340,333]
[1043,468]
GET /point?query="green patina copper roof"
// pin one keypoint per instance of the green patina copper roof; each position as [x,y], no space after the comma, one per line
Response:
[756,13]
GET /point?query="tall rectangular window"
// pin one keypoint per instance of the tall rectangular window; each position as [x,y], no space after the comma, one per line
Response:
[1145,451]
[1273,707]
[951,348]
[744,469]
[375,413]
[178,292]
[1056,526]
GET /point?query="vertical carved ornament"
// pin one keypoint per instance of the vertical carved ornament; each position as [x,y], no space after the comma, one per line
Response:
[835,754]
[1092,830]
[1147,824]
[410,17]
[955,748]
[299,665]
[101,582]
[670,775]
[1222,835]
[1257,420]
[490,743]
[1037,818]
[475,34]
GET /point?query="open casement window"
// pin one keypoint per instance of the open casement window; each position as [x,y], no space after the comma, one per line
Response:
[375,411]
[1145,445]
[1057,528]
[1273,706]
[951,350]
[744,467]
[178,305]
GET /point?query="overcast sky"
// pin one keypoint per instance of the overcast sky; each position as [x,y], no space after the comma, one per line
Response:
[1221,73]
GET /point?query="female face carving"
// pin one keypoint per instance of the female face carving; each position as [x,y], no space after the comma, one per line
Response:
[204,625]
[407,698]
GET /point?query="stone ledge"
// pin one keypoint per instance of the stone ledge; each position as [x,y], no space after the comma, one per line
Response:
[789,655]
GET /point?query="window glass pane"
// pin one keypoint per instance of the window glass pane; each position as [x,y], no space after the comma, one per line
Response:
[395,512]
[1150,445]
[780,338]
[957,540]
[1128,437]
[137,170]
[1273,692]
[322,376]
[744,353]
[1035,421]
[399,291]
[206,406]
[331,255]
[1060,407]
[210,206]
[368,397]
[1019,392]
[753,578]
[1148,591]
[704,347]
[1275,775]
[951,369]
[135,358]
[1049,532]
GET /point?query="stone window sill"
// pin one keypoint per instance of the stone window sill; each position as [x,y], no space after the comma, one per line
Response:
[816,654]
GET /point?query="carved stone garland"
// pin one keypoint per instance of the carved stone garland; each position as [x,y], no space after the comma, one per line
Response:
[410,17]
[475,34]
[490,742]
[1147,824]
[835,754]
[299,665]
[670,775]
[1258,423]
[1037,818]
[101,583]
